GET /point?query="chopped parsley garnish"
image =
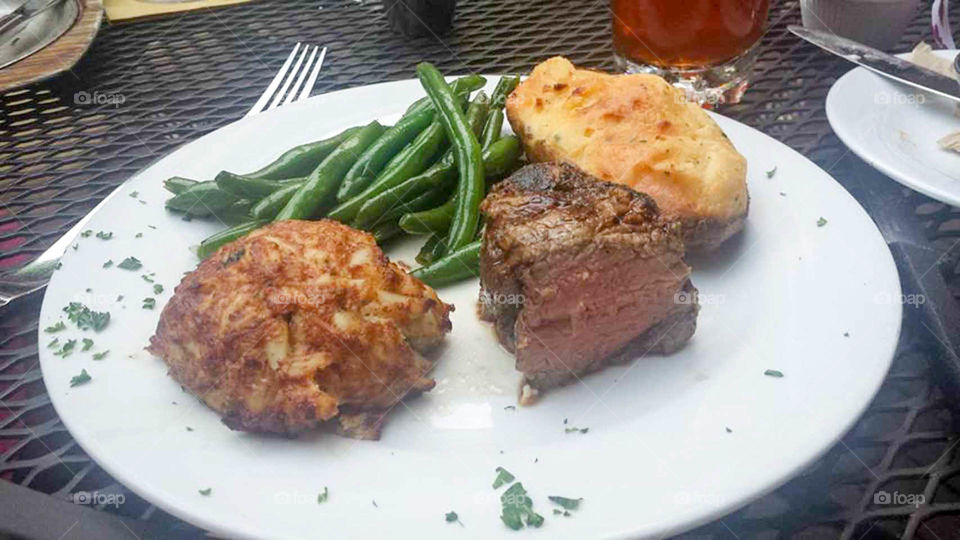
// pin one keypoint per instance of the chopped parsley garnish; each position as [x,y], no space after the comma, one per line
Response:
[846,334]
[374,501]
[205,492]
[104,235]
[510,408]
[87,343]
[108,264]
[157,288]
[503,478]
[821,222]
[576,429]
[85,318]
[154,227]
[189,428]
[147,278]
[323,496]
[130,263]
[54,343]
[149,303]
[773,373]
[517,508]
[82,378]
[86,233]
[138,235]
[101,355]
[56,328]
[119,298]
[451,517]
[67,348]
[134,194]
[566,502]
[772,172]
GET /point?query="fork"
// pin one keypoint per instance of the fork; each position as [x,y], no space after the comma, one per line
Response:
[299,71]
[294,84]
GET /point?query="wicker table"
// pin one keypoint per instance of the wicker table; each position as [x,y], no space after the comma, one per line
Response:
[183,76]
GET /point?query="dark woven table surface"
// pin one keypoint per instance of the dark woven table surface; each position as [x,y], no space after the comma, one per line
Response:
[185,75]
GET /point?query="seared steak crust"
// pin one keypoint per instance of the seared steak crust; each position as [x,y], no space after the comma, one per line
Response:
[576,273]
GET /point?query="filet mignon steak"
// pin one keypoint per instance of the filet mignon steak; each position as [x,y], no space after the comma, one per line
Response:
[577,273]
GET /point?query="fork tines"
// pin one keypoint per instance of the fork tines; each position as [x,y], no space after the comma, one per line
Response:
[290,80]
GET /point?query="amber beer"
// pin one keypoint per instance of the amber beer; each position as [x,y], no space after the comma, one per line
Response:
[701,39]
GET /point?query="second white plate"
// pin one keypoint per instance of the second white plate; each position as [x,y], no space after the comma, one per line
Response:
[895,129]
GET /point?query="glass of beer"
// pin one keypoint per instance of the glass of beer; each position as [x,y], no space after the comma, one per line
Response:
[705,47]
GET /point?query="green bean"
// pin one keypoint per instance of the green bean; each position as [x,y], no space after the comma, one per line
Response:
[427,199]
[411,161]
[504,87]
[498,159]
[249,187]
[431,250]
[439,174]
[202,199]
[470,188]
[214,242]
[386,231]
[463,85]
[376,156]
[301,160]
[491,131]
[178,184]
[438,219]
[238,212]
[268,207]
[320,187]
[460,264]
[434,221]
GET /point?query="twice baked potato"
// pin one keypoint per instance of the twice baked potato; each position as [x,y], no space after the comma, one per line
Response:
[639,131]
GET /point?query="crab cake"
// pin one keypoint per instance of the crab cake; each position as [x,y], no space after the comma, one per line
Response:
[298,323]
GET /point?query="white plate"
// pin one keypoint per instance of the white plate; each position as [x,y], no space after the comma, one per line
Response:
[895,129]
[657,458]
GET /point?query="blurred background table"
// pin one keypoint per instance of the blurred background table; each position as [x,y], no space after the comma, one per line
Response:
[177,78]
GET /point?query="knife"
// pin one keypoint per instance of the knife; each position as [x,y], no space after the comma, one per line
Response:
[882,63]
[35,275]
